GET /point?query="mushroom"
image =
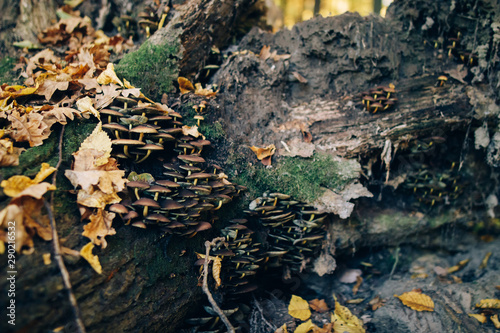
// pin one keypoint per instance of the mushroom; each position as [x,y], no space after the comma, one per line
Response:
[442,79]
[136,186]
[147,25]
[199,118]
[368,99]
[126,143]
[130,216]
[167,183]
[115,128]
[149,147]
[169,204]
[143,129]
[146,203]
[191,159]
[157,190]
[119,209]
[110,113]
[376,105]
[139,224]
[189,168]
[199,175]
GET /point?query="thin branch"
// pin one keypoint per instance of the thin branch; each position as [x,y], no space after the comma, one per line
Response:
[257,305]
[216,308]
[57,248]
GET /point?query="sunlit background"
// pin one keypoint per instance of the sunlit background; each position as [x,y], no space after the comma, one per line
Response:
[293,11]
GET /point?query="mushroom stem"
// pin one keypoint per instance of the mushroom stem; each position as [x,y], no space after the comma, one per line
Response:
[136,191]
[219,206]
[144,158]
[125,151]
[145,211]
[195,181]
[147,31]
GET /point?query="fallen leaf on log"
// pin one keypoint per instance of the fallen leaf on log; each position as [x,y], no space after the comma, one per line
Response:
[416,301]
[93,260]
[299,308]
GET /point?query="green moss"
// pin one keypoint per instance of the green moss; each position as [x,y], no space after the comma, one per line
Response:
[213,132]
[7,74]
[302,178]
[152,68]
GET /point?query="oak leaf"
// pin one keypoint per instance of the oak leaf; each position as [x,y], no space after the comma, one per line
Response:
[299,308]
[191,130]
[99,227]
[93,260]
[28,127]
[185,85]
[416,301]
[344,321]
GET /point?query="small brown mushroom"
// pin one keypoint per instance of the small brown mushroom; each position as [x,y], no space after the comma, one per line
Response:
[143,129]
[149,148]
[442,79]
[146,203]
[198,119]
[377,106]
[157,190]
[136,186]
[147,25]
[126,143]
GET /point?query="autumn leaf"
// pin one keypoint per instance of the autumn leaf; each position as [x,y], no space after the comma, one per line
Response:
[495,321]
[264,154]
[9,155]
[305,327]
[299,308]
[344,321]
[458,267]
[185,85]
[355,289]
[216,268]
[488,304]
[200,91]
[377,302]
[28,127]
[99,227]
[86,105]
[93,260]
[479,317]
[17,185]
[416,301]
[109,76]
[191,130]
[318,305]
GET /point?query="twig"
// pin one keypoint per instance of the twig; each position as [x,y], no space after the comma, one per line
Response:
[216,308]
[396,254]
[257,305]
[57,249]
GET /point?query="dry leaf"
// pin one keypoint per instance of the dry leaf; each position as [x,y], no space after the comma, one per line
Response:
[191,130]
[299,78]
[458,267]
[488,304]
[327,328]
[204,92]
[28,127]
[16,185]
[355,289]
[282,329]
[93,260]
[479,317]
[263,153]
[299,308]
[99,227]
[86,105]
[109,76]
[305,327]
[265,52]
[9,155]
[344,321]
[46,259]
[185,85]
[355,301]
[216,268]
[495,321]
[319,305]
[417,301]
[377,302]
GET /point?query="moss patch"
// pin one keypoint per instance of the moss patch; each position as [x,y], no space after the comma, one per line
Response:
[153,68]
[302,178]
[7,74]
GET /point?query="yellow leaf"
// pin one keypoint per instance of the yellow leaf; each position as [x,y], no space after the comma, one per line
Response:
[93,260]
[185,85]
[479,317]
[305,327]
[46,259]
[16,185]
[99,227]
[458,267]
[85,105]
[495,321]
[204,92]
[417,301]
[264,152]
[109,76]
[344,321]
[191,130]
[282,329]
[100,141]
[216,268]
[489,304]
[299,308]
[45,171]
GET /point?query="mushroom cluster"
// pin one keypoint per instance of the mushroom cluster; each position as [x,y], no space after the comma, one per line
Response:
[181,200]
[149,20]
[380,98]
[439,187]
[294,230]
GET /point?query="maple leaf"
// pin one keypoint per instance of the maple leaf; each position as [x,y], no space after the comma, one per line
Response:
[416,301]
[93,260]
[99,227]
[299,308]
[28,127]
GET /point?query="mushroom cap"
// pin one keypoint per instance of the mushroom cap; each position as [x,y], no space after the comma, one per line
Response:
[127,100]
[216,184]
[175,224]
[175,114]
[199,175]
[183,193]
[191,168]
[200,143]
[111,112]
[164,136]
[191,158]
[118,208]
[158,189]
[167,183]
[203,226]
[160,118]
[368,98]
[198,117]
[131,215]
[115,127]
[239,221]
[127,142]
[280,196]
[146,202]
[151,146]
[200,190]
[138,184]
[139,224]
[169,204]
[144,129]
[443,78]
[174,174]
[147,23]
[171,130]
[158,218]
[376,105]
[389,89]
[190,203]
[185,145]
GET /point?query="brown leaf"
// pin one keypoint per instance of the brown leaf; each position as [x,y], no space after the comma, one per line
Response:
[377,302]
[355,289]
[185,85]
[99,227]
[109,76]
[262,153]
[319,305]
[28,127]
[299,77]
[93,260]
[204,92]
[17,186]
[416,301]
[265,52]
[9,155]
